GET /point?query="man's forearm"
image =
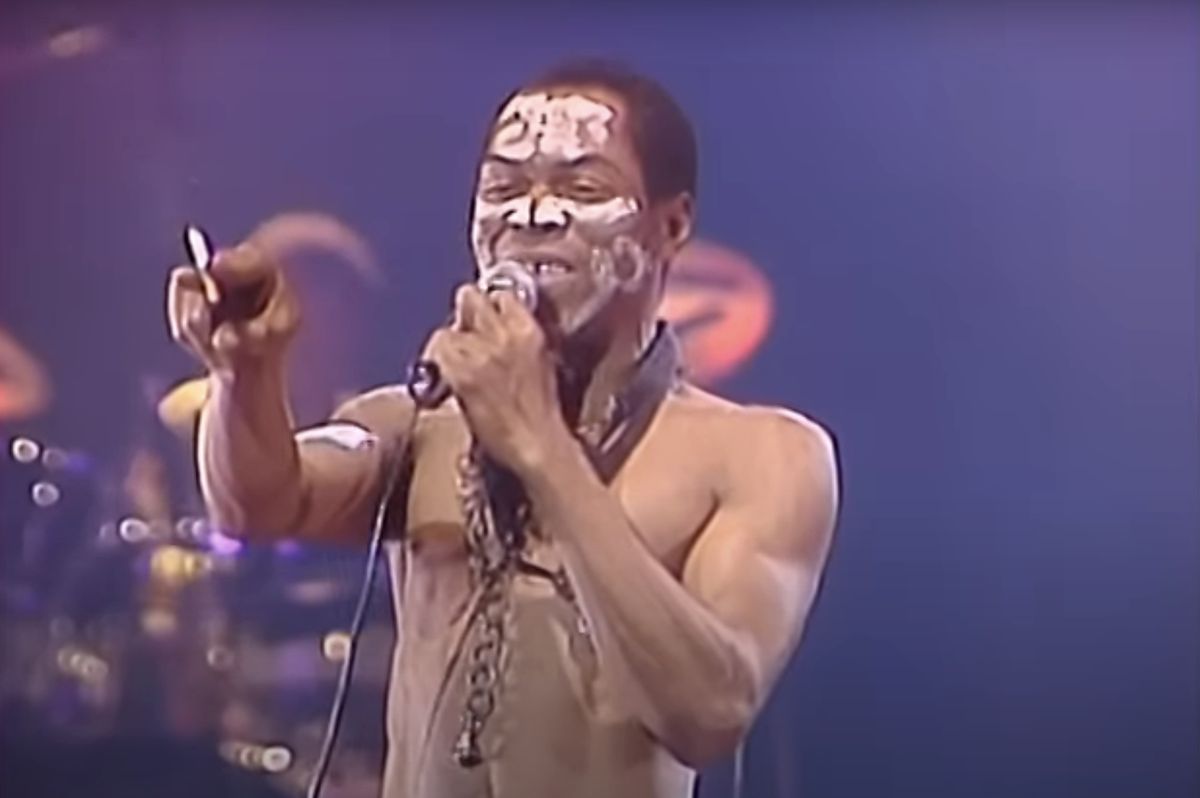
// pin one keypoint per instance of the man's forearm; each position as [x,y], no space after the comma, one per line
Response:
[680,668]
[247,457]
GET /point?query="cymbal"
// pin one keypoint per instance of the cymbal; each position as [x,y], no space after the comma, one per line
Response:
[179,408]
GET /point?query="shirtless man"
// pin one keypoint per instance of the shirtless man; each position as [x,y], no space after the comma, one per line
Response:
[654,607]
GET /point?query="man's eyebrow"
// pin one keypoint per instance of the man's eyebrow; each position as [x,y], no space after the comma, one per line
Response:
[588,158]
[500,159]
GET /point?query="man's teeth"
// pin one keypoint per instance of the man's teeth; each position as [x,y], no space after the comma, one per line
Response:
[541,269]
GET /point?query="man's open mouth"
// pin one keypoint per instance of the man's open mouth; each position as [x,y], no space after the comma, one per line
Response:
[542,265]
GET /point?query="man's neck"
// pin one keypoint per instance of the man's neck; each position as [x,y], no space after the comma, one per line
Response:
[596,373]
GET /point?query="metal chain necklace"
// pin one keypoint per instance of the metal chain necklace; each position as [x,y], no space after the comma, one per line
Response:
[496,533]
[490,557]
[494,555]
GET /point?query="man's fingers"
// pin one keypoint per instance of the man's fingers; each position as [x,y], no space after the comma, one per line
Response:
[194,318]
[182,282]
[195,327]
[183,278]
[515,317]
[459,356]
[474,311]
[259,311]
[226,341]
[244,265]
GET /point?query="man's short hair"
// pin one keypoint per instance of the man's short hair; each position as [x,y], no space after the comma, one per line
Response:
[662,134]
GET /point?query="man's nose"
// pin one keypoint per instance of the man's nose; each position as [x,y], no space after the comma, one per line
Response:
[543,211]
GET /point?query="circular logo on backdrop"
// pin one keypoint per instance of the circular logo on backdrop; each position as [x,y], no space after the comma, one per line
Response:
[293,233]
[720,304]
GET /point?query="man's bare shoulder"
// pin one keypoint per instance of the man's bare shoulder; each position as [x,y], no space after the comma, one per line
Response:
[385,410]
[748,432]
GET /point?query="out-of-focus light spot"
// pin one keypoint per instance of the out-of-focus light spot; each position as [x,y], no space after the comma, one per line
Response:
[176,566]
[160,530]
[133,530]
[107,534]
[252,756]
[335,646]
[81,664]
[159,623]
[276,759]
[45,494]
[313,591]
[288,548]
[53,457]
[197,529]
[25,450]
[183,529]
[219,658]
[83,40]
[57,459]
[222,544]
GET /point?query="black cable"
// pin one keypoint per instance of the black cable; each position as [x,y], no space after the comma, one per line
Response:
[338,709]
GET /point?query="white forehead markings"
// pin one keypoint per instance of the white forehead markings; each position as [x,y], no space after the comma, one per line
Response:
[567,126]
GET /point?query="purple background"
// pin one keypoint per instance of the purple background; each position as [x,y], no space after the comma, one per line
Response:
[981,227]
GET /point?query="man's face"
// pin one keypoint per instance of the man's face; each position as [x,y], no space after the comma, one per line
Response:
[561,191]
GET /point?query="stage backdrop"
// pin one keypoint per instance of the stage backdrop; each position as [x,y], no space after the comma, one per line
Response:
[979,229]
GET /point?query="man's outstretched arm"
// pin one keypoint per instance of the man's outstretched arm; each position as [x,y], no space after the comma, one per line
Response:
[257,476]
[261,479]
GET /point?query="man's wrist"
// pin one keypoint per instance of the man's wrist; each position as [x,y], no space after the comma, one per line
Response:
[557,455]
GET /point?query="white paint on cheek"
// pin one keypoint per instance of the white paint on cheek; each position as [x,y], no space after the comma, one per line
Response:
[623,267]
[483,214]
[633,266]
[604,289]
[602,267]
[608,212]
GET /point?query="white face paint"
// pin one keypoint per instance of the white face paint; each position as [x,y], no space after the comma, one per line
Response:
[559,129]
[549,211]
[623,267]
[564,127]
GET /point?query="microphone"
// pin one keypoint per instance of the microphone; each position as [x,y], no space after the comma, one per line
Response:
[425,383]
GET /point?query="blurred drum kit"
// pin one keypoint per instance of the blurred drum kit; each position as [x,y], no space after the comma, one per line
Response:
[125,614]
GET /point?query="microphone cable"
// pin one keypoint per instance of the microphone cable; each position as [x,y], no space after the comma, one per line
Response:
[341,695]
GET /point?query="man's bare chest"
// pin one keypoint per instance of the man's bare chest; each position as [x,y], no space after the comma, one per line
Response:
[668,493]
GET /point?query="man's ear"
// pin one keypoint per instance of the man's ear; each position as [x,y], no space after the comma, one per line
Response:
[677,219]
